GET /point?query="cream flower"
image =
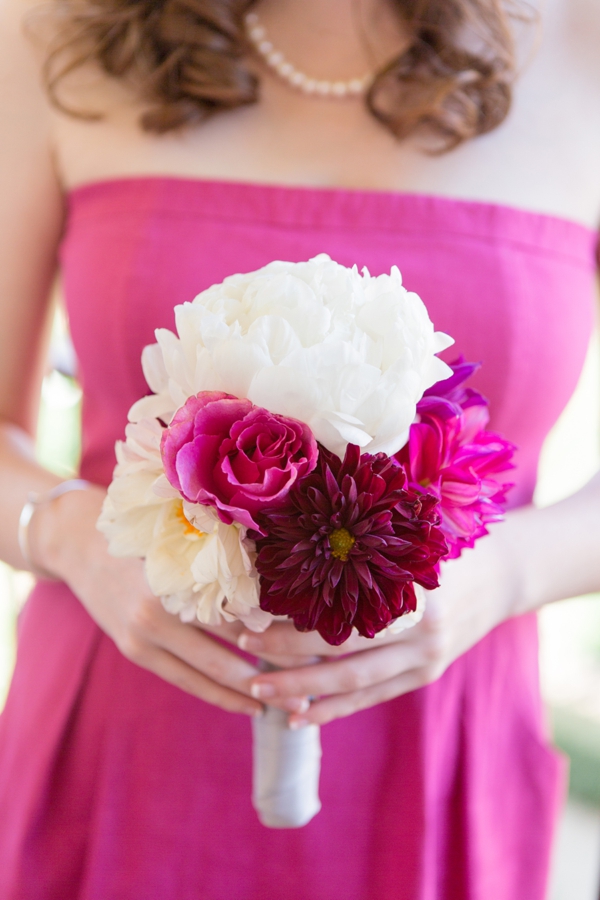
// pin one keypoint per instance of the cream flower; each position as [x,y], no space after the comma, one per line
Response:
[348,354]
[201,568]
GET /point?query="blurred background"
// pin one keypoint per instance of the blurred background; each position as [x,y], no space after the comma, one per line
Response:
[570,630]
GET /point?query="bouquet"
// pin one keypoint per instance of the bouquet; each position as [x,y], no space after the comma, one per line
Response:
[304,453]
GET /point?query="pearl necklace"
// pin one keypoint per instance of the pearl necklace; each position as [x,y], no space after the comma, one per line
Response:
[276,61]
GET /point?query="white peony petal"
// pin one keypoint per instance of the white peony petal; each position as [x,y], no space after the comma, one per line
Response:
[168,564]
[436,371]
[204,518]
[350,434]
[276,336]
[179,394]
[179,368]
[155,406]
[279,389]
[206,377]
[130,533]
[153,367]
[441,341]
[388,446]
[236,362]
[133,490]
[164,489]
[256,619]
[209,604]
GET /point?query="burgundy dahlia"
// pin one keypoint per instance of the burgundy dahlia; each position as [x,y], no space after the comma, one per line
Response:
[348,547]
[450,455]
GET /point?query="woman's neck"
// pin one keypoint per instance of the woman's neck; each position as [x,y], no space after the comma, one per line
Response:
[335,39]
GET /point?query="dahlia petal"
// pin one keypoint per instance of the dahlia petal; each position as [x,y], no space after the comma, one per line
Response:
[335,573]
[349,605]
[363,574]
[327,593]
[351,583]
[302,546]
[319,500]
[288,563]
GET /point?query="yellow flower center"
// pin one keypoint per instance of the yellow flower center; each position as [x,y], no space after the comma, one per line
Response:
[341,543]
[188,528]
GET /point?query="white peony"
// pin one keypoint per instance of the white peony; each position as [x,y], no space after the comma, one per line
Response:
[200,567]
[347,353]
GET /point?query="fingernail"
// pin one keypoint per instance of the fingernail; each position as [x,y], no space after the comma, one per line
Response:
[262,690]
[295,724]
[250,643]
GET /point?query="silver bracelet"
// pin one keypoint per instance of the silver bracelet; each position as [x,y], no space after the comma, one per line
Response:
[34,501]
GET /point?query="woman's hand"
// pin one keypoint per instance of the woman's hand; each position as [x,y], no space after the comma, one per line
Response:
[65,541]
[475,595]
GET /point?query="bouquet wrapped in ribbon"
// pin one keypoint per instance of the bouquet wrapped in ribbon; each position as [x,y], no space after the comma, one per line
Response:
[304,453]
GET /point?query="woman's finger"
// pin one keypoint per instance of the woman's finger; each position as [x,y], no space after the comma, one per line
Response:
[152,625]
[289,662]
[281,638]
[226,631]
[273,653]
[348,675]
[189,679]
[215,661]
[204,654]
[337,707]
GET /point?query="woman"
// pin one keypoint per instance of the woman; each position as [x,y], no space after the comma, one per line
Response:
[123,771]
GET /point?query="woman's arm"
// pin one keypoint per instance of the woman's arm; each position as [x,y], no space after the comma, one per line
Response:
[534,557]
[31,213]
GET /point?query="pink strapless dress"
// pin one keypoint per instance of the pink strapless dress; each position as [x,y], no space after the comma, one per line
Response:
[115,785]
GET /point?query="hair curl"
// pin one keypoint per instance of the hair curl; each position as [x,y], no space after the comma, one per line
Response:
[186,59]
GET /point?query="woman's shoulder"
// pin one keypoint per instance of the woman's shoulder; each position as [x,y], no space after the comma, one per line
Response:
[24,108]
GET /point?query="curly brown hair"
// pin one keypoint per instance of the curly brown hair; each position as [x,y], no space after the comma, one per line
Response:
[187,59]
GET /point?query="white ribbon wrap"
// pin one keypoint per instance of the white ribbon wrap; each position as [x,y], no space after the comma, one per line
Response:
[286,769]
[287,764]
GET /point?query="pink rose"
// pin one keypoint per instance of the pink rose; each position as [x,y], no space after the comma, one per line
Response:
[225,452]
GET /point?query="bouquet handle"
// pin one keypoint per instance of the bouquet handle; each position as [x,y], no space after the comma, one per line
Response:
[285,770]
